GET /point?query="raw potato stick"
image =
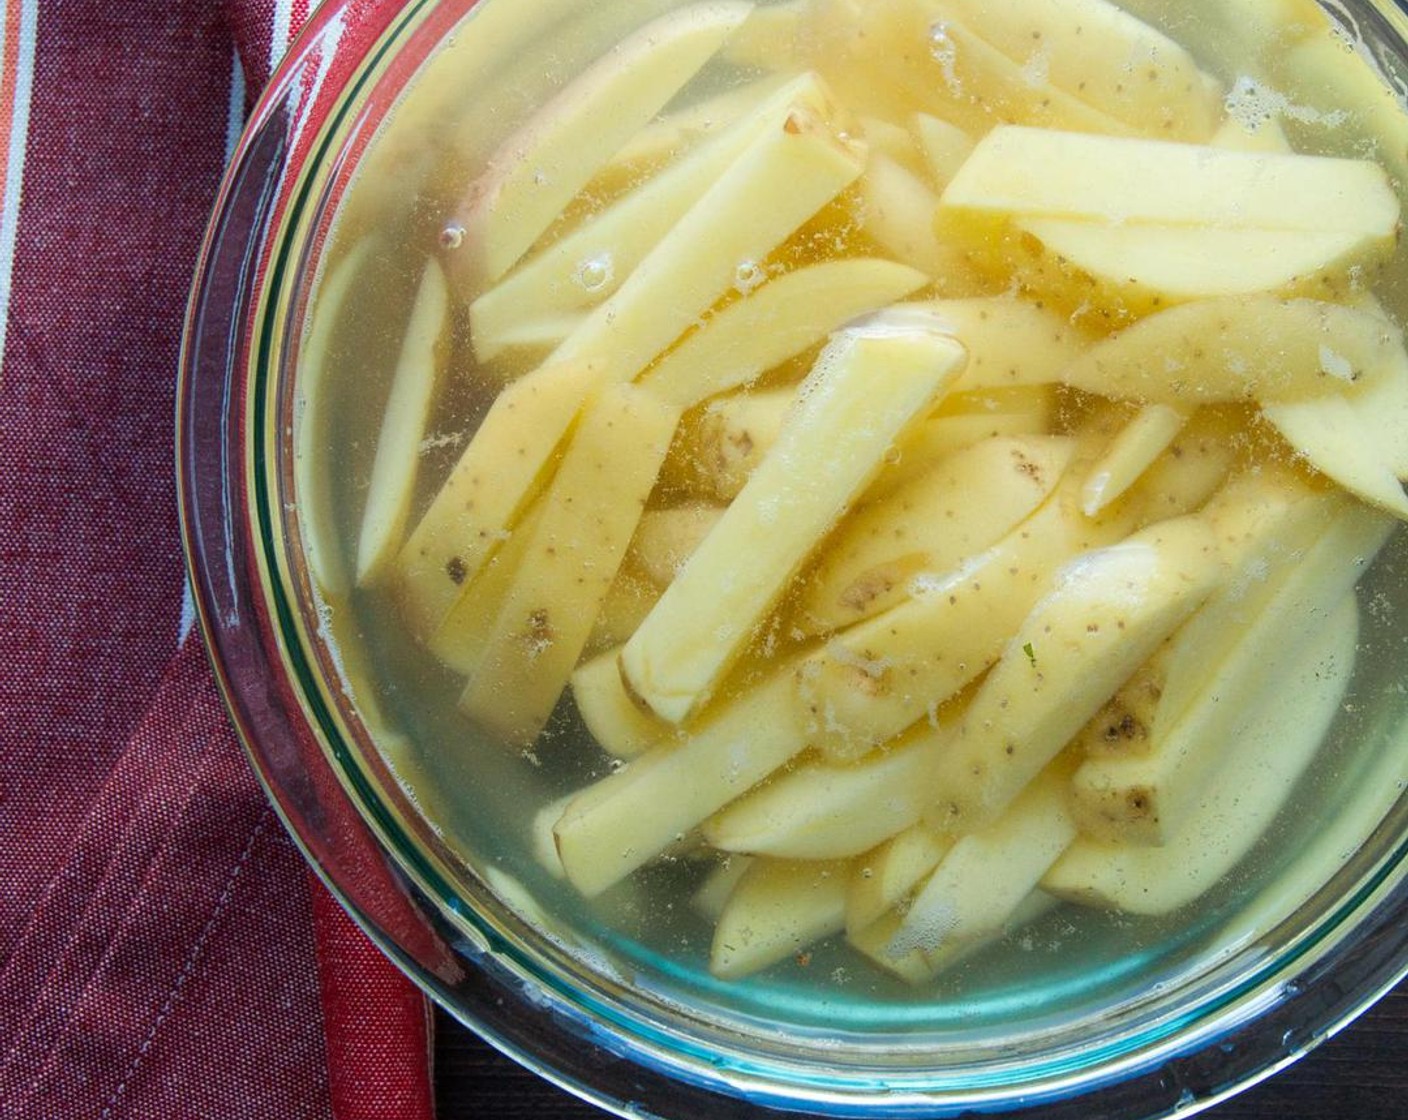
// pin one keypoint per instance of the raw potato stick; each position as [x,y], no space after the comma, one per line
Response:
[866,389]
[884,878]
[499,472]
[824,811]
[539,169]
[718,447]
[931,524]
[776,910]
[1257,348]
[1100,54]
[589,514]
[1109,610]
[583,268]
[628,818]
[1278,729]
[617,721]
[1134,451]
[989,872]
[776,322]
[403,422]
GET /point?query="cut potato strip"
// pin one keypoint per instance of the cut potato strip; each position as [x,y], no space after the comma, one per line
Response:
[1124,725]
[1238,349]
[403,423]
[824,811]
[768,38]
[1108,612]
[985,877]
[709,899]
[315,365]
[719,447]
[666,538]
[884,878]
[631,596]
[538,171]
[930,524]
[1134,451]
[617,721]
[794,166]
[895,208]
[778,321]
[590,512]
[628,818]
[1105,57]
[1148,800]
[878,942]
[1329,432]
[778,909]
[867,388]
[945,146]
[1011,342]
[1118,181]
[585,267]
[1142,267]
[1278,725]
[497,475]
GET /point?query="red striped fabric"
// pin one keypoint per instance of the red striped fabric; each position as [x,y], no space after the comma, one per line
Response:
[162,952]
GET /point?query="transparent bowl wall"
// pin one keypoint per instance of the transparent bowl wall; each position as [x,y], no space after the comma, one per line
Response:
[618,1023]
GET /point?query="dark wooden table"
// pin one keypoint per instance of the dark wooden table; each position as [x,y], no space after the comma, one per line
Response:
[1360,1075]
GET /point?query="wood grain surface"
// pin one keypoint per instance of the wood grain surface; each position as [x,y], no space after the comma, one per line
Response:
[1361,1074]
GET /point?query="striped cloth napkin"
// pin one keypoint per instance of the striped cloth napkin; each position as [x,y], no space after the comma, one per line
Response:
[163,952]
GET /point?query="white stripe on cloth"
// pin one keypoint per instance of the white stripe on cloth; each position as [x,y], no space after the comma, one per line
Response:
[279,36]
[11,189]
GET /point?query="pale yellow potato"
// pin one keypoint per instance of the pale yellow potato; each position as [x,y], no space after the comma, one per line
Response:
[1115,181]
[781,319]
[778,909]
[882,879]
[709,899]
[1255,348]
[893,141]
[1278,728]
[981,882]
[590,511]
[1011,342]
[327,311]
[1328,431]
[1101,55]
[626,819]
[877,942]
[1285,594]
[1380,402]
[944,146]
[1134,451]
[1263,134]
[895,208]
[666,538]
[584,267]
[619,724]
[627,603]
[542,166]
[403,423]
[820,810]
[720,446]
[1123,726]
[500,471]
[768,38]
[932,524]
[1106,614]
[867,388]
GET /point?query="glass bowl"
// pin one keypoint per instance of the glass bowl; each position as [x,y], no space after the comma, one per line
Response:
[1169,1021]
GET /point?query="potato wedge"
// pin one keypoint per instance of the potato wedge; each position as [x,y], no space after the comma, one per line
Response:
[1255,348]
[617,721]
[1107,613]
[783,318]
[777,910]
[720,445]
[1134,450]
[882,879]
[1283,721]
[930,524]
[866,389]
[539,169]
[403,421]
[590,512]
[626,819]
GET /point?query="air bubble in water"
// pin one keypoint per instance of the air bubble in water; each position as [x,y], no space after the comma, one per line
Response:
[747,276]
[945,52]
[452,237]
[595,273]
